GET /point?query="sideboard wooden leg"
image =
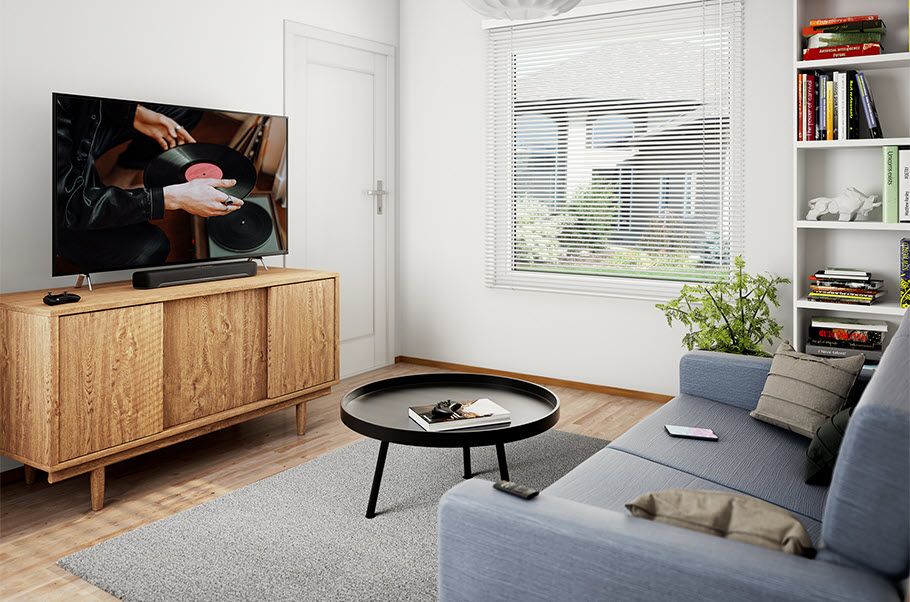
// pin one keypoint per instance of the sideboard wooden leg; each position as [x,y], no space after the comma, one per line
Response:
[31,473]
[301,418]
[97,487]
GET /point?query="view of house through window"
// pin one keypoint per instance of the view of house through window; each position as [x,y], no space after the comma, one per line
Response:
[615,147]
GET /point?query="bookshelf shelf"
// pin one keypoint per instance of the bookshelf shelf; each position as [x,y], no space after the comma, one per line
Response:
[860,63]
[876,309]
[824,168]
[832,225]
[855,143]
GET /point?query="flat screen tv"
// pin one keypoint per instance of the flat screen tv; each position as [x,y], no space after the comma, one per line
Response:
[143,184]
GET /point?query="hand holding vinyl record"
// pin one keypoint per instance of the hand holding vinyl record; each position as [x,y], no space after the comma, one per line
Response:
[202,197]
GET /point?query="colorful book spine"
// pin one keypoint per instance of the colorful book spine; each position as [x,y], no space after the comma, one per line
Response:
[903,186]
[810,107]
[822,40]
[889,184]
[871,25]
[837,52]
[829,109]
[799,107]
[904,293]
[820,104]
[839,20]
[852,106]
[840,94]
[865,94]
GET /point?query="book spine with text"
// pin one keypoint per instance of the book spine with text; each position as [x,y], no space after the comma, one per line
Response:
[852,106]
[839,20]
[820,106]
[838,52]
[872,25]
[904,253]
[841,110]
[903,186]
[829,109]
[799,107]
[889,184]
[875,128]
[810,107]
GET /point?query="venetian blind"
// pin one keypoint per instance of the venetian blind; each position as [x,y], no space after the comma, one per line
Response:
[615,150]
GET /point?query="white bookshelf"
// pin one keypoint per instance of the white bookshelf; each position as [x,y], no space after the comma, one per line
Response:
[824,168]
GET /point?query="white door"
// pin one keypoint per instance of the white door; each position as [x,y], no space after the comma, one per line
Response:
[340,106]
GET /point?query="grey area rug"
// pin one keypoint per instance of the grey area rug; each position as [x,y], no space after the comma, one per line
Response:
[302,535]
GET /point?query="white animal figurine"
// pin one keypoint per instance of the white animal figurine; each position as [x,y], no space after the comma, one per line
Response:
[850,205]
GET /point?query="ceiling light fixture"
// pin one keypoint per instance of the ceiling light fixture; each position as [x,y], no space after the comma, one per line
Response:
[521,9]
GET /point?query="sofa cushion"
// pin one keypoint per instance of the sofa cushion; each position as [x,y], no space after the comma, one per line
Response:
[730,515]
[611,478]
[802,391]
[751,457]
[821,455]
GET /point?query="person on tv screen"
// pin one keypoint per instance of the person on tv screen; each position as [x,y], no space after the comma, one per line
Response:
[102,226]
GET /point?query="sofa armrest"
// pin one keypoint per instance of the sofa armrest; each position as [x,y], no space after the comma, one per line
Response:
[736,380]
[493,546]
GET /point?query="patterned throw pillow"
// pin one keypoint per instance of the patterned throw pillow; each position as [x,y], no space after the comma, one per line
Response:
[802,391]
[822,452]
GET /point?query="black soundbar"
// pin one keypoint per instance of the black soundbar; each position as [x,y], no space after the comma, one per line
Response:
[193,274]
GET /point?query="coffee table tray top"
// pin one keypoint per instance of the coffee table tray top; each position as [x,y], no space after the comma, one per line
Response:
[380,409]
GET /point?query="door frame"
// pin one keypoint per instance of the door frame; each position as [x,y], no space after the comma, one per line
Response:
[294,31]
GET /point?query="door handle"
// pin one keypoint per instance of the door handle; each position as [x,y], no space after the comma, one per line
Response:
[378,192]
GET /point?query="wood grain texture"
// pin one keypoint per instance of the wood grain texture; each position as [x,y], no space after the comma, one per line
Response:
[28,386]
[301,418]
[122,294]
[214,354]
[542,380]
[42,523]
[110,378]
[96,488]
[301,336]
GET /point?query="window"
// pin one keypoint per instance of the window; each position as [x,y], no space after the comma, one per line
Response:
[616,150]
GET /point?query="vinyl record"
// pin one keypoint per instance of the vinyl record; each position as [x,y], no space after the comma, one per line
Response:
[243,230]
[201,160]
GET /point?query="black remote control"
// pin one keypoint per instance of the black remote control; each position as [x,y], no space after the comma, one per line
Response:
[521,491]
[58,298]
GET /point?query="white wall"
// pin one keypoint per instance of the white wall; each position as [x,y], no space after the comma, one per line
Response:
[446,312]
[208,53]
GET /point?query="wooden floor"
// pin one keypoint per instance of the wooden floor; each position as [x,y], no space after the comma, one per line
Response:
[41,523]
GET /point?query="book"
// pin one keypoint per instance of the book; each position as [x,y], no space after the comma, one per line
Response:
[840,110]
[870,25]
[904,255]
[844,272]
[829,108]
[473,413]
[823,341]
[822,40]
[849,324]
[903,185]
[810,106]
[839,20]
[799,107]
[852,106]
[837,52]
[868,104]
[889,184]
[823,351]
[821,104]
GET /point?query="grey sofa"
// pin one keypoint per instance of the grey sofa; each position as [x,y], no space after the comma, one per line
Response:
[576,541]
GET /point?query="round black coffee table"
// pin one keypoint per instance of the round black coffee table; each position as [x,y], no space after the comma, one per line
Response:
[380,410]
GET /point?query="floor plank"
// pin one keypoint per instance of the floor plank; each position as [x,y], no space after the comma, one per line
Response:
[41,523]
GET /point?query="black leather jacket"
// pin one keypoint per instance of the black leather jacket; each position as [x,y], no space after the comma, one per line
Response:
[86,128]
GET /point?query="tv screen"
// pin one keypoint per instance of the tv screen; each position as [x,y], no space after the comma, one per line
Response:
[142,184]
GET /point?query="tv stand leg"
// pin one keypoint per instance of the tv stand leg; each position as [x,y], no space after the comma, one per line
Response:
[261,261]
[97,488]
[31,474]
[84,278]
[301,418]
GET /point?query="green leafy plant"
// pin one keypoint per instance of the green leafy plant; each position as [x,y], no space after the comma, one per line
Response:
[732,316]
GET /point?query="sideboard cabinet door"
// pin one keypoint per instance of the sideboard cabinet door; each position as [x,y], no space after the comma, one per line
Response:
[301,336]
[110,378]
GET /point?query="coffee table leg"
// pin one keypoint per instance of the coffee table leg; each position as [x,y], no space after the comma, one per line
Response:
[468,473]
[377,478]
[501,456]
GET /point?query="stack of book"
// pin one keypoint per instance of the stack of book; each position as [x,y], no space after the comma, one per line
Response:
[472,413]
[844,337]
[895,184]
[843,36]
[844,285]
[829,106]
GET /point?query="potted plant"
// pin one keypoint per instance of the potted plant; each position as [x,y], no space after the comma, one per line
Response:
[731,316]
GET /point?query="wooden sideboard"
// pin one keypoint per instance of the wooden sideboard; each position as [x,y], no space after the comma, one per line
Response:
[126,371]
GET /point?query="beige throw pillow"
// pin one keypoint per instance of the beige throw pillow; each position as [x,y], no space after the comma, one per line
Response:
[802,391]
[738,517]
